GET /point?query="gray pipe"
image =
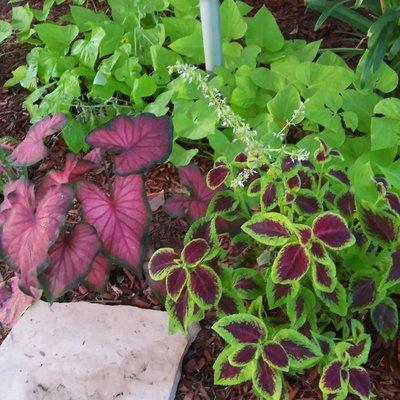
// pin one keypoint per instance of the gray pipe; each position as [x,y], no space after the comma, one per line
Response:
[211,27]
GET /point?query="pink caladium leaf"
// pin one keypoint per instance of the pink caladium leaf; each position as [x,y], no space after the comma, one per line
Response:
[204,286]
[120,220]
[331,378]
[139,142]
[196,202]
[195,251]
[162,262]
[98,274]
[13,302]
[94,156]
[216,176]
[360,383]
[332,230]
[70,260]
[30,230]
[267,381]
[32,149]
[290,264]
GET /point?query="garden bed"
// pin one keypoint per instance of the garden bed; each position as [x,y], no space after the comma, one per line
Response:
[125,289]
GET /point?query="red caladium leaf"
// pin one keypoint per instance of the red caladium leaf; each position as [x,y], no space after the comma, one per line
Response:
[275,355]
[272,229]
[120,220]
[379,225]
[139,142]
[324,275]
[243,355]
[240,328]
[216,176]
[98,274]
[30,230]
[195,251]
[331,378]
[204,286]
[267,381]
[13,302]
[162,262]
[290,264]
[176,281]
[332,230]
[359,383]
[347,204]
[385,317]
[227,374]
[196,203]
[32,149]
[302,352]
[70,260]
[362,292]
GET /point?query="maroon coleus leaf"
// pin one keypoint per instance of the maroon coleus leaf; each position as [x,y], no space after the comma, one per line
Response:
[180,310]
[121,220]
[336,300]
[32,149]
[331,379]
[222,203]
[203,228]
[359,382]
[139,142]
[347,204]
[307,203]
[30,230]
[304,234]
[162,262]
[194,204]
[278,294]
[275,355]
[13,302]
[248,283]
[240,328]
[332,230]
[385,318]
[330,197]
[266,380]
[269,196]
[288,163]
[394,271]
[229,224]
[293,182]
[204,286]
[340,176]
[290,264]
[379,225]
[195,251]
[98,274]
[324,276]
[394,202]
[305,179]
[176,281]
[240,158]
[362,292]
[243,355]
[359,351]
[229,304]
[216,176]
[227,374]
[70,260]
[318,251]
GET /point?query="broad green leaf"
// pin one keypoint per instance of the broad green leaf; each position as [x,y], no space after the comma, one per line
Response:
[52,65]
[162,58]
[74,134]
[284,104]
[233,25]
[87,50]
[180,156]
[143,87]
[190,46]
[5,30]
[21,18]
[57,37]
[185,7]
[176,28]
[363,181]
[87,19]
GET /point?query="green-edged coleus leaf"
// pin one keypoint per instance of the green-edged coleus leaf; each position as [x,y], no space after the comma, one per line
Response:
[242,354]
[269,196]
[267,381]
[272,228]
[393,275]
[162,262]
[362,292]
[304,233]
[331,378]
[204,228]
[229,304]
[325,343]
[318,252]
[216,176]
[227,374]
[336,300]
[380,225]
[346,204]
[332,230]
[275,355]
[342,395]
[324,275]
[241,328]
[194,252]
[290,264]
[385,318]
[248,283]
[299,306]
[278,294]
[359,350]
[180,311]
[307,203]
[360,383]
[302,352]
[254,188]
[176,281]
[204,286]
[222,203]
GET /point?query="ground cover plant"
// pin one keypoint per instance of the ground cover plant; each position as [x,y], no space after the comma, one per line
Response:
[294,236]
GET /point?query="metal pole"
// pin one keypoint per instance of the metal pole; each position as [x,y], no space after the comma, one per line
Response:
[211,27]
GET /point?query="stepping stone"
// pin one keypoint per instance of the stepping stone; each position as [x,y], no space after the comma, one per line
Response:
[84,351]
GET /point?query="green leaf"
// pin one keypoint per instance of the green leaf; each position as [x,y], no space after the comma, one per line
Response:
[233,25]
[284,104]
[5,30]
[362,177]
[180,156]
[263,31]
[190,46]
[52,65]
[21,18]
[74,134]
[57,37]
[87,19]
[185,7]
[176,28]
[162,58]
[87,50]
[143,87]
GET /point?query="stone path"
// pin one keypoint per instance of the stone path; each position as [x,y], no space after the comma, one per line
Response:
[83,351]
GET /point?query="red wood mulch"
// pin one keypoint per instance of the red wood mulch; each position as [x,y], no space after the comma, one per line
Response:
[124,288]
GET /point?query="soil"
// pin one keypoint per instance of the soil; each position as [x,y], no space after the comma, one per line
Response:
[124,288]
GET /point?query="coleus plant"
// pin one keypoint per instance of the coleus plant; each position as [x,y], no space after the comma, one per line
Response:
[296,249]
[50,248]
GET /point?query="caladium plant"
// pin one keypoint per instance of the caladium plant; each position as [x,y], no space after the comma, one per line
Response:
[53,250]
